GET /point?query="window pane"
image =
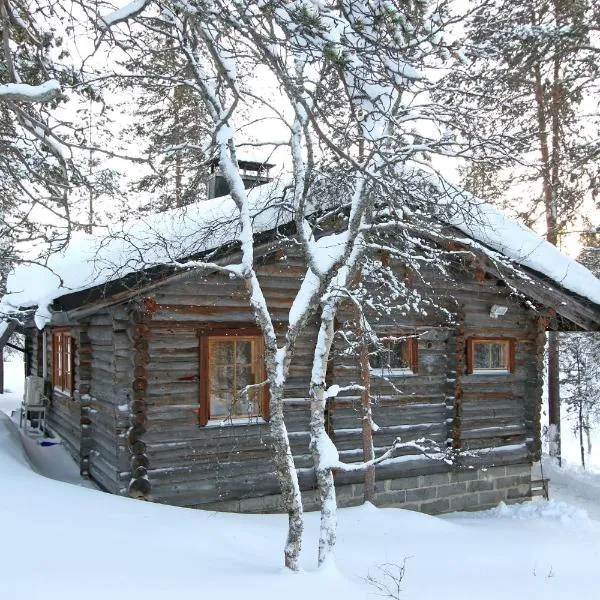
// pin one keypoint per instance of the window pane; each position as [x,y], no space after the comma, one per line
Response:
[379,359]
[246,405]
[221,403]
[490,355]
[67,360]
[221,378]
[393,355]
[387,358]
[399,355]
[59,353]
[234,364]
[62,361]
[221,352]
[498,360]
[244,377]
[482,356]
[243,352]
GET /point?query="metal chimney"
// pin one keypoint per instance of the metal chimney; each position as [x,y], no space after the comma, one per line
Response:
[253,174]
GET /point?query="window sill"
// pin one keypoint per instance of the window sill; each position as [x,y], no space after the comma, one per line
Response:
[491,372]
[392,373]
[237,422]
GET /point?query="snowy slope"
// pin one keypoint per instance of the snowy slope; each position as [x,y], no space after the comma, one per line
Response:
[570,483]
[86,542]
[14,374]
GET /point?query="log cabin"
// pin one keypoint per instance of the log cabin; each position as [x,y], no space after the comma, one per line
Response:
[142,372]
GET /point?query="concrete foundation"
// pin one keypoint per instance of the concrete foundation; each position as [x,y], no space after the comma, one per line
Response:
[468,489]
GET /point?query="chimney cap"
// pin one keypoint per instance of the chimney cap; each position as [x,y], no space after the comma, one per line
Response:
[244,164]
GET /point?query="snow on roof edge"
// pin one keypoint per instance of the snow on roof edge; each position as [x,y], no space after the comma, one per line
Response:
[158,239]
[95,260]
[520,244]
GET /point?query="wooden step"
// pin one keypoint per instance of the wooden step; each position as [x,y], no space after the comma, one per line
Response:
[539,487]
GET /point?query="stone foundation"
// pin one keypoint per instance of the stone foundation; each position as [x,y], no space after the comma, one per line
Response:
[469,489]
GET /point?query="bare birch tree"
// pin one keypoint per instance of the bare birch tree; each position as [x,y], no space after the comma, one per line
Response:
[48,176]
[579,378]
[354,113]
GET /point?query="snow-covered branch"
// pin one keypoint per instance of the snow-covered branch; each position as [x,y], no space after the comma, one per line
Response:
[426,447]
[22,92]
[123,14]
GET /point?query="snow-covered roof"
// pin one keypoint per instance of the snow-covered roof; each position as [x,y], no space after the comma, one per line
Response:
[92,260]
[157,239]
[489,226]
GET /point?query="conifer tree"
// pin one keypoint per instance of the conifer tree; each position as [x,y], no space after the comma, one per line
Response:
[530,76]
[169,121]
[580,378]
[580,359]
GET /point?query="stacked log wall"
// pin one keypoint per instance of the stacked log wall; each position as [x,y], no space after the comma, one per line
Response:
[108,398]
[33,352]
[497,411]
[409,406]
[479,420]
[483,414]
[144,388]
[193,465]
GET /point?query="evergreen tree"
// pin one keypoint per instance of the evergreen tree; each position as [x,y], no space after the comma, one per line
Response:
[171,124]
[530,85]
[580,359]
[590,248]
[530,77]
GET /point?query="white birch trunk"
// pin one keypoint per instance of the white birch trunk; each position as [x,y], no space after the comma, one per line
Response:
[288,479]
[323,472]
[276,362]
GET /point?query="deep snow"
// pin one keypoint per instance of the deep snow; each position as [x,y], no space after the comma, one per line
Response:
[62,541]
[14,375]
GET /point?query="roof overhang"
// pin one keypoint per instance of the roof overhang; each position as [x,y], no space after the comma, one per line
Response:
[544,292]
[548,296]
[7,328]
[84,303]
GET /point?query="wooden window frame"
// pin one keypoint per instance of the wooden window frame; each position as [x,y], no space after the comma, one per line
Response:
[510,344]
[205,335]
[63,380]
[412,343]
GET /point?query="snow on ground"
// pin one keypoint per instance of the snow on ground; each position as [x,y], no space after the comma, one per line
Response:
[14,380]
[570,444]
[570,483]
[59,541]
[45,457]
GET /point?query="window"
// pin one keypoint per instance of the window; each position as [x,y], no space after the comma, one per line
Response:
[490,355]
[397,355]
[62,360]
[231,361]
